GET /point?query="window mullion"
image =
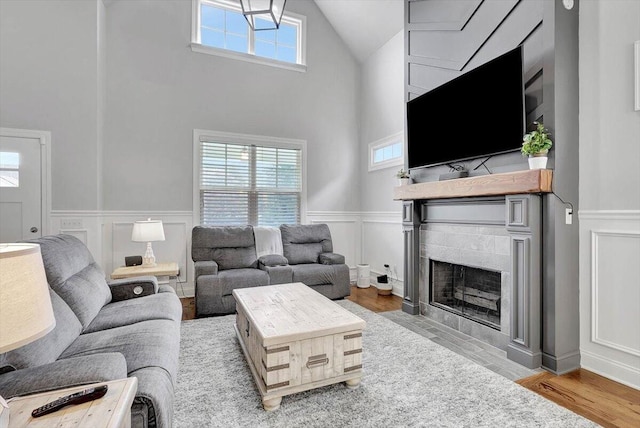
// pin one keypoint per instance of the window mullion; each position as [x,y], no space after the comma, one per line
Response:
[252,40]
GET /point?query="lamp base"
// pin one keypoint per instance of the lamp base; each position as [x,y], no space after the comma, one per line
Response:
[149,259]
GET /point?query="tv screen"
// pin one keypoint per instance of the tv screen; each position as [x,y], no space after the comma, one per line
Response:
[478,114]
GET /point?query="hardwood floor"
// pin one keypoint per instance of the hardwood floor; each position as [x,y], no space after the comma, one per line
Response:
[370,299]
[597,398]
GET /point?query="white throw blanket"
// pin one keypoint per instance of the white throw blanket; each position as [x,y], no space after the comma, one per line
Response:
[268,240]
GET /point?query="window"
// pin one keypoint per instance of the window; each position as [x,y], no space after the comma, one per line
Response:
[387,152]
[244,179]
[9,169]
[220,28]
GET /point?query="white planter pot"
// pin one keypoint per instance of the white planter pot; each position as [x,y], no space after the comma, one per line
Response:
[404,181]
[537,162]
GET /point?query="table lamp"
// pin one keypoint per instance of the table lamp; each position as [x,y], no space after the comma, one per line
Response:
[148,231]
[26,313]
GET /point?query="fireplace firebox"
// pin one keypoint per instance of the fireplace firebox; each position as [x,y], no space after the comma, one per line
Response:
[467,291]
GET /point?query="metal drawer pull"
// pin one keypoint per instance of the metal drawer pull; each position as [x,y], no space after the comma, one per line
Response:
[317,360]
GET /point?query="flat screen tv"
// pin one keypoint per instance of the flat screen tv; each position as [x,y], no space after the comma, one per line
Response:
[478,114]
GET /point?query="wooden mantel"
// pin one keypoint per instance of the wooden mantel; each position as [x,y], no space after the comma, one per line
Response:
[509,183]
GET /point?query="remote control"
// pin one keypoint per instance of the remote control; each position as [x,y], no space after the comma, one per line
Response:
[67,400]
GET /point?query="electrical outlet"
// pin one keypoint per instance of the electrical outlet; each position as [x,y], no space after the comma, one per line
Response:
[71,223]
[568,216]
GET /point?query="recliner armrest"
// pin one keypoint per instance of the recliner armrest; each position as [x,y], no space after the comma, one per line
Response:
[129,288]
[64,373]
[206,267]
[271,260]
[331,259]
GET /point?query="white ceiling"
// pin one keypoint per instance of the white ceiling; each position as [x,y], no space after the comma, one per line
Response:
[364,25]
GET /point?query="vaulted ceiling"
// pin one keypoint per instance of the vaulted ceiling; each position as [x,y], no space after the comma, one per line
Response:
[364,25]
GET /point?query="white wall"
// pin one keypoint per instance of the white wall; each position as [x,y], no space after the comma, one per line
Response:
[158,91]
[48,81]
[609,196]
[381,115]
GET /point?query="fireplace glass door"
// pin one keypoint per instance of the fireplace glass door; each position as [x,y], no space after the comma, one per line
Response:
[468,291]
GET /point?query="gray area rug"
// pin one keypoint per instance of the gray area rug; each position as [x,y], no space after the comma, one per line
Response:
[408,381]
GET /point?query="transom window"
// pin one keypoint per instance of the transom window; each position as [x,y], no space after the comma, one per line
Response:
[386,152]
[9,169]
[220,26]
[249,182]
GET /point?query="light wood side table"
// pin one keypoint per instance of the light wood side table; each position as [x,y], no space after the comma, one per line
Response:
[111,411]
[160,271]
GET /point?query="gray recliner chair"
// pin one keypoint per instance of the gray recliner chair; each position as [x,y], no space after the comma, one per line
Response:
[225,259]
[309,251]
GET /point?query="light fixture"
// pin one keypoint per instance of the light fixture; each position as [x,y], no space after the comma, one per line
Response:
[26,313]
[148,231]
[263,14]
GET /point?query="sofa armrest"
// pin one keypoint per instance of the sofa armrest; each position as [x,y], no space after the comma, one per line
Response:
[331,259]
[129,288]
[271,260]
[206,267]
[64,374]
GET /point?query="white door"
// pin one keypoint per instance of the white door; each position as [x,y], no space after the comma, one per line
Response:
[20,188]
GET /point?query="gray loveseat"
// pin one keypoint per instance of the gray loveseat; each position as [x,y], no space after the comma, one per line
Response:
[103,332]
[225,259]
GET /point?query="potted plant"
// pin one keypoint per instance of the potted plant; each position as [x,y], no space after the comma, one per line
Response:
[536,145]
[403,177]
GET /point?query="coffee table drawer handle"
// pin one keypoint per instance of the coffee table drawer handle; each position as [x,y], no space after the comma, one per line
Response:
[317,360]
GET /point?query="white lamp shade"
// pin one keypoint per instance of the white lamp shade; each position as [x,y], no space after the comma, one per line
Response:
[147,231]
[26,313]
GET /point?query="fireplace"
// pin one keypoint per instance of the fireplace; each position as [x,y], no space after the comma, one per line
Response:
[467,291]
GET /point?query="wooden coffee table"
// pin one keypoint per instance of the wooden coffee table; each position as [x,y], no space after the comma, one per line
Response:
[295,339]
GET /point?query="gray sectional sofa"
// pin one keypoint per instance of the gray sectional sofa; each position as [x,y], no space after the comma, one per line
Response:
[225,259]
[103,332]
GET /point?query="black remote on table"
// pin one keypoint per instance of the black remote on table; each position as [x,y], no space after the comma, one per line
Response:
[77,398]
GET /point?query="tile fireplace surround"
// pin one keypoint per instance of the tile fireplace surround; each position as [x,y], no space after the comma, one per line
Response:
[492,223]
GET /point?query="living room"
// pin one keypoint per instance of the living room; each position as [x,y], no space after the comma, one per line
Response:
[123,93]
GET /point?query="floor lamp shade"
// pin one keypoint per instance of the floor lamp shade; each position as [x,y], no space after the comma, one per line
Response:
[26,313]
[263,14]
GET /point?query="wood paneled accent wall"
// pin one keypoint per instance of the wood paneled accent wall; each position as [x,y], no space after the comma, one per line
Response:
[445,39]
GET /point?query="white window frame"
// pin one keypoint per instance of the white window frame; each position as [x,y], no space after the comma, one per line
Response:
[382,143]
[300,21]
[246,139]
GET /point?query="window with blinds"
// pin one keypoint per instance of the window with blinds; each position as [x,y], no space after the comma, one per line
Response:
[249,184]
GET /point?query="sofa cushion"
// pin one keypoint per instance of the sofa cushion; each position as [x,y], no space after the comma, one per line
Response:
[63,374]
[314,274]
[241,278]
[331,259]
[48,348]
[272,260]
[304,243]
[74,275]
[232,247]
[153,343]
[235,258]
[154,307]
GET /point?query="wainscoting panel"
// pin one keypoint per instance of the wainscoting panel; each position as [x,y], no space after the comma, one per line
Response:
[610,294]
[107,234]
[362,237]
[345,233]
[382,243]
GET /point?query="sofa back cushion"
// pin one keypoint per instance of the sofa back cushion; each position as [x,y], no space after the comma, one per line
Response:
[304,243]
[48,348]
[232,247]
[74,275]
